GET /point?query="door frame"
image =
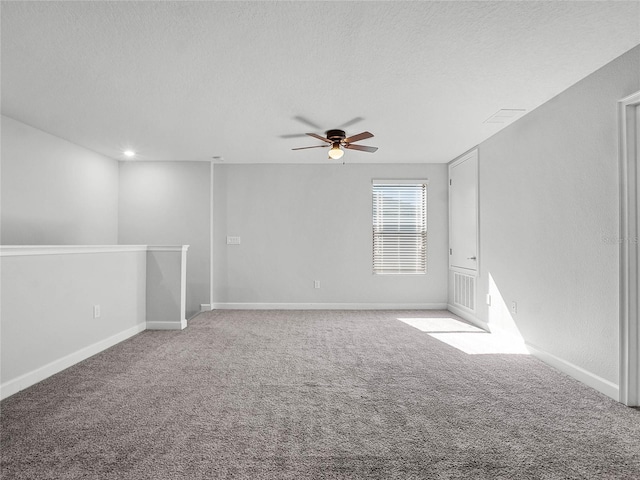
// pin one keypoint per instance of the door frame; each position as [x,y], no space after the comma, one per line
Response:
[629,146]
[474,152]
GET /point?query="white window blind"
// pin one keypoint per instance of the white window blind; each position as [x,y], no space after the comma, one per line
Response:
[399,227]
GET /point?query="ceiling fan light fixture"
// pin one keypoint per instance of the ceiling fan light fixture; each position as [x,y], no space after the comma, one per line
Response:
[338,141]
[336,152]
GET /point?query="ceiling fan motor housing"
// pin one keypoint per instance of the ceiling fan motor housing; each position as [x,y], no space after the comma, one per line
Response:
[335,135]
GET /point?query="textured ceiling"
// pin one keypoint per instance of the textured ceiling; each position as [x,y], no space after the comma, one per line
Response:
[191,80]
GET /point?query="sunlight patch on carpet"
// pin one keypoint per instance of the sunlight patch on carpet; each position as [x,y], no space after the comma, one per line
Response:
[467,338]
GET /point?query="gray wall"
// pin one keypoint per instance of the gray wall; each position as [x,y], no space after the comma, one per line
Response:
[549,217]
[55,192]
[47,309]
[300,223]
[168,203]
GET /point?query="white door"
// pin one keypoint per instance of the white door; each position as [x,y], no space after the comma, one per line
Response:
[463,213]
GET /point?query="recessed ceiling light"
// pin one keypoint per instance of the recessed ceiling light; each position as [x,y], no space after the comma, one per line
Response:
[129,153]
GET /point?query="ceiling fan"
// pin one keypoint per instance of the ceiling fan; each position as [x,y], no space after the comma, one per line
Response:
[337,140]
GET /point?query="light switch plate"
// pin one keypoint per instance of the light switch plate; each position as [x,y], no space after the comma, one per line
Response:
[233,240]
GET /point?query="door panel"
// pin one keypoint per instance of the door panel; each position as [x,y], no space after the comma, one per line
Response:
[463,213]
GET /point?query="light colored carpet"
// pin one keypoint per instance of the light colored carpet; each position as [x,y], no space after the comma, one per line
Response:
[312,395]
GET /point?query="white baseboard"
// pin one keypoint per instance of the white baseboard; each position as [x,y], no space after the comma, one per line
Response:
[181,325]
[606,387]
[31,378]
[329,306]
[468,317]
[205,307]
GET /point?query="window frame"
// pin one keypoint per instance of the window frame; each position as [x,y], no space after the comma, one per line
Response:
[398,269]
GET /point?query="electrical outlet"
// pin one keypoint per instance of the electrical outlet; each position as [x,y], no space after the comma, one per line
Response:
[316,284]
[96,311]
[233,240]
[514,307]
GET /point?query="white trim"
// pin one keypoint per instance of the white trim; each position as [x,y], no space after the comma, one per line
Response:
[167,248]
[469,317]
[41,373]
[26,250]
[329,306]
[180,325]
[629,367]
[474,152]
[592,380]
[183,287]
[211,231]
[465,156]
[205,307]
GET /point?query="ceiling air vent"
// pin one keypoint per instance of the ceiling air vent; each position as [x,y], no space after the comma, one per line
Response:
[505,115]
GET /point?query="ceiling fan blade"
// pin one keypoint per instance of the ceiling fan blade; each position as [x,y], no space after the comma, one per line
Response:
[350,122]
[320,137]
[358,137]
[315,146]
[307,122]
[362,148]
